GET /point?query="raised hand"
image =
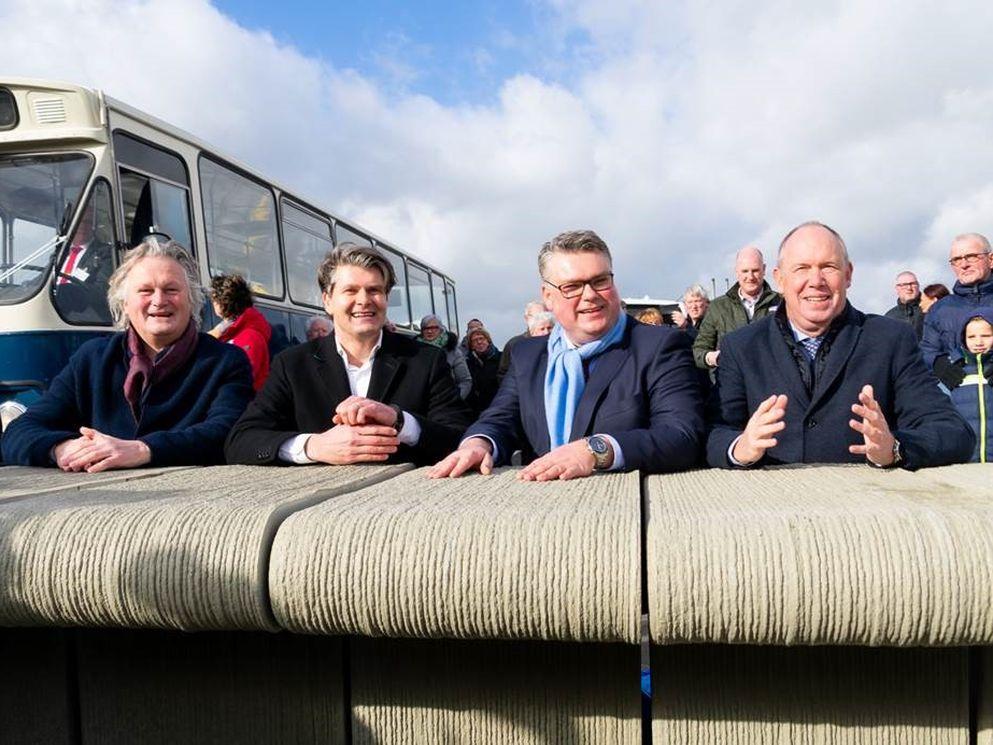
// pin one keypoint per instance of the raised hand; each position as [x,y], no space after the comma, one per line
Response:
[759,434]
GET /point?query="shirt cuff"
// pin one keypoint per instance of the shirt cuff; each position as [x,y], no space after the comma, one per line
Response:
[489,439]
[734,461]
[618,464]
[294,450]
[410,434]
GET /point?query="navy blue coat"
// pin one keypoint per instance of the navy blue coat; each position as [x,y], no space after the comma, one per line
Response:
[642,392]
[184,419]
[943,322]
[756,362]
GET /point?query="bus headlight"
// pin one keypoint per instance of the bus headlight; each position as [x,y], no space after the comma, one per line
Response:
[9,411]
[8,110]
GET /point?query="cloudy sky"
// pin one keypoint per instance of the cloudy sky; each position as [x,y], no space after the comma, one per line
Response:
[471,132]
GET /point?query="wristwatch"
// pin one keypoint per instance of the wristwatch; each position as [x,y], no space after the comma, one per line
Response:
[897,456]
[603,453]
[897,453]
[398,425]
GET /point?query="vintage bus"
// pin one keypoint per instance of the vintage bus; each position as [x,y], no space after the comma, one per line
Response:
[83,177]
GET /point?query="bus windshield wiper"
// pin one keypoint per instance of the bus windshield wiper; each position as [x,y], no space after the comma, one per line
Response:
[46,246]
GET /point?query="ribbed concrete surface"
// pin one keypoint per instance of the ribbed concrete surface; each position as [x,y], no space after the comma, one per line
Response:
[36,704]
[475,557]
[825,555]
[512,693]
[185,549]
[19,481]
[727,695]
[985,709]
[209,688]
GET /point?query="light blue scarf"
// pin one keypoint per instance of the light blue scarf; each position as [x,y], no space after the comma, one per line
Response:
[564,380]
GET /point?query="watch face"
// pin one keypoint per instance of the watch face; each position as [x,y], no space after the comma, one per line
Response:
[598,445]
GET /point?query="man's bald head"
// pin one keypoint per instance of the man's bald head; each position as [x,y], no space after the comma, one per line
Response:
[749,269]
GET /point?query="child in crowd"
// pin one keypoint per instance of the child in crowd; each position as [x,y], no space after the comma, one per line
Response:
[974,396]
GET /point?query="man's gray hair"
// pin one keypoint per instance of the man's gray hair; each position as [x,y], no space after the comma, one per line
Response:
[544,316]
[352,254]
[978,237]
[815,224]
[151,248]
[572,241]
[696,291]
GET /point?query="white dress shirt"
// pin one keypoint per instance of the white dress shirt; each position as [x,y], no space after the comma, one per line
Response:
[294,449]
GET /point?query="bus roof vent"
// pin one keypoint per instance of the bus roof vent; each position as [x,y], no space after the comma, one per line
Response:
[49,111]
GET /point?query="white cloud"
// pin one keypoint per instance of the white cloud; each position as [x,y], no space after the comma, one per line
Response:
[678,131]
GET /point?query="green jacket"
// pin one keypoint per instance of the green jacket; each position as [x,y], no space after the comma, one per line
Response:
[725,315]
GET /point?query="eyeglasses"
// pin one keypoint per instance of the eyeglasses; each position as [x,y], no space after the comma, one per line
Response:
[575,289]
[906,284]
[967,258]
[430,328]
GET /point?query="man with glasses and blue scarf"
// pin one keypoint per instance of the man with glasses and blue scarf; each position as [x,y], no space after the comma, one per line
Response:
[601,392]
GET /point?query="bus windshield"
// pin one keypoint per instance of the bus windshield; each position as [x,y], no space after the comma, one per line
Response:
[36,191]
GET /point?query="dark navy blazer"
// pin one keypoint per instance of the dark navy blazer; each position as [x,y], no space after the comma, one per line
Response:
[643,392]
[756,362]
[184,419]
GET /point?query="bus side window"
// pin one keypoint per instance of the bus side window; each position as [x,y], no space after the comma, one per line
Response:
[152,206]
[155,191]
[398,311]
[420,293]
[79,288]
[240,221]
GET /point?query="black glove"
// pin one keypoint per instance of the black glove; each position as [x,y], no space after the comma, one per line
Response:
[950,373]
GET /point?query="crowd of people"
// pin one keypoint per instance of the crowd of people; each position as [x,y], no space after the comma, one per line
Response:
[756,377]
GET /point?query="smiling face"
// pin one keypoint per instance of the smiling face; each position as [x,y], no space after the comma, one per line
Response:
[157,301]
[478,343]
[978,336]
[907,287]
[814,276]
[749,268]
[591,314]
[431,330]
[696,307]
[357,302]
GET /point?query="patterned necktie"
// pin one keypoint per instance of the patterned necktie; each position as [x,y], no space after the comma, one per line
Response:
[810,346]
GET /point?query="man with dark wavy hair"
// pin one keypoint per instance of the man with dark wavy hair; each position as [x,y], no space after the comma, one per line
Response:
[362,394]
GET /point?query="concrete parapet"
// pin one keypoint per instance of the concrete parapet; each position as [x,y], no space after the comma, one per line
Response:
[841,555]
[184,549]
[484,557]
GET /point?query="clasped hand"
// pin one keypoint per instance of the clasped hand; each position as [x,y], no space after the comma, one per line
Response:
[94,452]
[363,432]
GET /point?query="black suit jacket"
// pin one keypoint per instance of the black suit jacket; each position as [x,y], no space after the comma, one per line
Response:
[307,382]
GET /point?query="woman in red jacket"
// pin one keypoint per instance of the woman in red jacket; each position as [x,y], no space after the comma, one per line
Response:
[241,324]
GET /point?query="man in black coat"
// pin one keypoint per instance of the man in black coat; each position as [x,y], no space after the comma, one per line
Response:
[908,302]
[821,382]
[362,394]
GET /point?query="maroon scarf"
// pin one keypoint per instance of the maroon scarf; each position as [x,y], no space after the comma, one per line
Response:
[144,373]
